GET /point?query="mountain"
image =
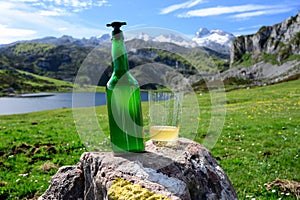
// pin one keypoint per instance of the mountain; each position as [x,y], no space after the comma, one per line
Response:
[268,56]
[55,61]
[280,42]
[271,55]
[166,38]
[62,58]
[217,40]
[104,38]
[69,40]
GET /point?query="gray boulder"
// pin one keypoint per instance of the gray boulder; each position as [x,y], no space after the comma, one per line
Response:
[184,171]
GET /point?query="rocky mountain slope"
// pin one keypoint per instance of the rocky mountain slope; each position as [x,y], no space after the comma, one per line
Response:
[271,55]
[279,41]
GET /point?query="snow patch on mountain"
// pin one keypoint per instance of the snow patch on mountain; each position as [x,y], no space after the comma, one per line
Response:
[169,37]
[176,39]
[214,39]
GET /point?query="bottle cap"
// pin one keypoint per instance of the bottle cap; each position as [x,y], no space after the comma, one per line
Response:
[116,26]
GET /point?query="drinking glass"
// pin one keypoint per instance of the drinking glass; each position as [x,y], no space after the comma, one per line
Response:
[165,108]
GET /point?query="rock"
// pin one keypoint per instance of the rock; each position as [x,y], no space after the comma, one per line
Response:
[269,56]
[184,171]
[281,39]
[66,184]
[8,90]
[263,73]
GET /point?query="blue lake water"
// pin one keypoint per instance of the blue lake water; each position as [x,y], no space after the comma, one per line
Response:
[17,105]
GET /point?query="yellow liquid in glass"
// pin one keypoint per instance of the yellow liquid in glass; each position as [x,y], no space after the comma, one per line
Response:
[164,133]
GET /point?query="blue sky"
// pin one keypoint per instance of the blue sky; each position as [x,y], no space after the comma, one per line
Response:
[28,19]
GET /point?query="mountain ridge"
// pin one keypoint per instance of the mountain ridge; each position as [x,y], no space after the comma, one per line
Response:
[271,55]
[280,40]
[63,60]
[216,40]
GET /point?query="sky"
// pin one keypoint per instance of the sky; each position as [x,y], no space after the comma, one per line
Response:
[31,19]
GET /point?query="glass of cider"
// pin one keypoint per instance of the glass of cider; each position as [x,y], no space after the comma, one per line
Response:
[165,109]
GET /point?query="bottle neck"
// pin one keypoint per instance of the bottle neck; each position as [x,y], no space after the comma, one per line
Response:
[119,55]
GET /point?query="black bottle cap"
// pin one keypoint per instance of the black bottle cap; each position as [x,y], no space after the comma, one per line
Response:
[116,26]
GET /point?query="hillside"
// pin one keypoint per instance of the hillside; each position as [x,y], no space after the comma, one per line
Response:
[62,58]
[269,56]
[16,82]
[54,61]
[275,44]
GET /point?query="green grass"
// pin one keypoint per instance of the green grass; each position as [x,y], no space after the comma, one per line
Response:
[47,79]
[30,141]
[26,82]
[30,48]
[64,84]
[260,139]
[259,142]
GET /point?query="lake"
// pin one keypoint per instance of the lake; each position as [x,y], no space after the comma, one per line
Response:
[17,105]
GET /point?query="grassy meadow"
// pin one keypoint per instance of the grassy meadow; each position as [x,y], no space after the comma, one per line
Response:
[258,144]
[26,82]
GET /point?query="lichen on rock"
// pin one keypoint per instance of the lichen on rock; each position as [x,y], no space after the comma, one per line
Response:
[122,189]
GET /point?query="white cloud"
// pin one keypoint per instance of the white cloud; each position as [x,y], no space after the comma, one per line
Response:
[80,4]
[259,13]
[62,29]
[58,7]
[8,35]
[24,1]
[250,27]
[28,19]
[175,7]
[220,10]
[248,10]
[53,12]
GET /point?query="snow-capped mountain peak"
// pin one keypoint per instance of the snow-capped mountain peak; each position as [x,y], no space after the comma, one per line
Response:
[104,38]
[202,32]
[176,39]
[215,39]
[167,37]
[144,36]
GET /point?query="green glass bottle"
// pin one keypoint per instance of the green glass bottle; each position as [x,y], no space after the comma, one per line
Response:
[123,100]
